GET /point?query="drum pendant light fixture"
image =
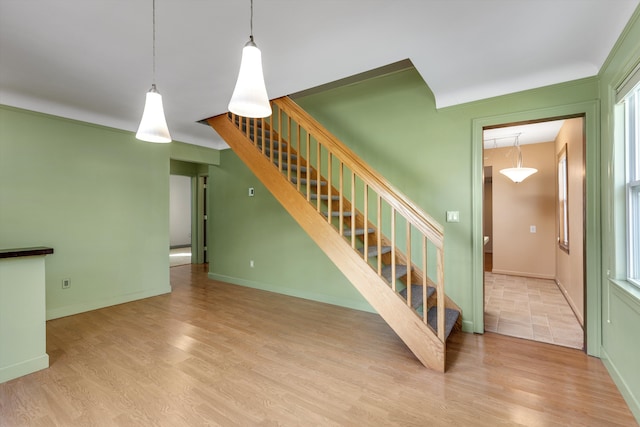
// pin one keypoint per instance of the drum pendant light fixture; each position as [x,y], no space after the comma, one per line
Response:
[153,126]
[250,97]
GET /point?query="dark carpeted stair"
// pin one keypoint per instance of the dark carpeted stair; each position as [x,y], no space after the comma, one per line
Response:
[450,319]
[277,154]
[401,270]
[293,167]
[359,231]
[270,143]
[337,213]
[334,197]
[416,294]
[305,181]
[372,251]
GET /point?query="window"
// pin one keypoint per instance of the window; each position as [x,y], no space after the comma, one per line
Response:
[563,201]
[631,103]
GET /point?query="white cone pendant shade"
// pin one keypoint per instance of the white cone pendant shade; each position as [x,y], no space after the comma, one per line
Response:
[250,97]
[153,126]
[518,174]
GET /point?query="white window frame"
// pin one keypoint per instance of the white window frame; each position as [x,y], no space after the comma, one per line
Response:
[563,200]
[631,103]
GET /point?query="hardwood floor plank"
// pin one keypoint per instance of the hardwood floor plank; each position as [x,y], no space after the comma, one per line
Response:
[212,353]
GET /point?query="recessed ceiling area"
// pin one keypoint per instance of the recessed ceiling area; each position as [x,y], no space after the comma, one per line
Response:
[92,60]
[532,133]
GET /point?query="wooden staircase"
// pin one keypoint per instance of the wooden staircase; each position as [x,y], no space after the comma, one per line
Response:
[389,249]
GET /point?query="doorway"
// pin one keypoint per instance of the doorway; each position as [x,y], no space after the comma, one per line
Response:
[180,213]
[534,287]
[188,202]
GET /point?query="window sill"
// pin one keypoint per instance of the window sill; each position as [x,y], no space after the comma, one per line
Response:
[628,291]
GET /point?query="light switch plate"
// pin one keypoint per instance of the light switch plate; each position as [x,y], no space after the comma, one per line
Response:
[453,216]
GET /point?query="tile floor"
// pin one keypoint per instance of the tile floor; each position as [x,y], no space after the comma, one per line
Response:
[530,308]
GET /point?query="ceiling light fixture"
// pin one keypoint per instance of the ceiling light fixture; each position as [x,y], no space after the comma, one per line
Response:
[153,126]
[518,174]
[250,97]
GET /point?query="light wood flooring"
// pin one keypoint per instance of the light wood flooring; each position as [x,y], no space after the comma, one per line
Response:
[211,353]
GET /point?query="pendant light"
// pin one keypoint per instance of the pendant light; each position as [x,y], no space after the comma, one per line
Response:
[250,97]
[153,126]
[518,174]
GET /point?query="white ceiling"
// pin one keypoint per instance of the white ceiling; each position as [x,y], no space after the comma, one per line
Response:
[91,60]
[533,133]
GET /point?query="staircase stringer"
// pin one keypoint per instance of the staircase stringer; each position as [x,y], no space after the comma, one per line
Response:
[418,336]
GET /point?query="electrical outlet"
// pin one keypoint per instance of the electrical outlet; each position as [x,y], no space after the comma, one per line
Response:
[251,264]
[533,229]
[252,192]
[66,283]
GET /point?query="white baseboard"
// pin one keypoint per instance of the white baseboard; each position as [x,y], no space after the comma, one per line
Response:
[524,274]
[573,306]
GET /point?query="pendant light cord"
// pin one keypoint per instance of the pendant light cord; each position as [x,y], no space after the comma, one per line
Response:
[519,162]
[154,43]
[250,23]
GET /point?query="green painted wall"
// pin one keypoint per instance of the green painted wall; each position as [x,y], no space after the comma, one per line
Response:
[194,153]
[257,228]
[98,196]
[620,300]
[178,167]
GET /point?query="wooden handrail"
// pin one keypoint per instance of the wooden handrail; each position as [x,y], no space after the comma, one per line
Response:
[398,201]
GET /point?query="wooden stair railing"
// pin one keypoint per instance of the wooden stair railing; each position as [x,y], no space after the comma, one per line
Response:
[345,207]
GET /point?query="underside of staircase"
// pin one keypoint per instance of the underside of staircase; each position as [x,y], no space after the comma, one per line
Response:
[389,249]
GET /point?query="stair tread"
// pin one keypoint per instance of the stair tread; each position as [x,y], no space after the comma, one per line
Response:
[266,132]
[450,319]
[270,143]
[337,213]
[325,197]
[359,231]
[245,119]
[416,294]
[373,250]
[401,270]
[276,154]
[292,167]
[305,181]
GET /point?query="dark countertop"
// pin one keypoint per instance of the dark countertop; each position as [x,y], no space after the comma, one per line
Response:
[23,252]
